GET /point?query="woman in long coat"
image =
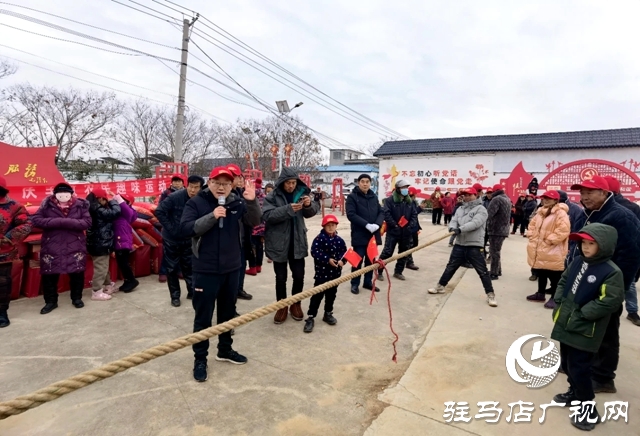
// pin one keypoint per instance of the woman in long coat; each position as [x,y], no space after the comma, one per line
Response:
[64,218]
[548,235]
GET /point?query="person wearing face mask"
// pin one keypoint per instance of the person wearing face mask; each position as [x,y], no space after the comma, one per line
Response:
[100,242]
[401,218]
[215,230]
[284,212]
[176,246]
[64,218]
[14,227]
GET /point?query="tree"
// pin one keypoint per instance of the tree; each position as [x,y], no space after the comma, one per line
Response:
[74,120]
[372,148]
[198,140]
[139,131]
[7,68]
[263,135]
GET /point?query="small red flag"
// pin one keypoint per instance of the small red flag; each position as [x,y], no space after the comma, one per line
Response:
[372,249]
[403,222]
[352,257]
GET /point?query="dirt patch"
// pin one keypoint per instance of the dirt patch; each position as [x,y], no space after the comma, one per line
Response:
[303,425]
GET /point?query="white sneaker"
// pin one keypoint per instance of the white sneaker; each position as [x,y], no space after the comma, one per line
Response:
[491,299]
[111,288]
[437,290]
[100,296]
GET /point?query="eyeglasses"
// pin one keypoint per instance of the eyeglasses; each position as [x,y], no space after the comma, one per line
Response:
[222,185]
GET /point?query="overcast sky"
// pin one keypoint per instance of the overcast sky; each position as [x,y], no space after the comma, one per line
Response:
[423,68]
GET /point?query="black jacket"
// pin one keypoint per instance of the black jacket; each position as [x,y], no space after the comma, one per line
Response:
[167,192]
[217,250]
[628,204]
[528,208]
[363,209]
[627,253]
[499,211]
[100,234]
[396,207]
[169,213]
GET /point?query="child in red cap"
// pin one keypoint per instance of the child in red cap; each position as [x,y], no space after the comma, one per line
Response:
[327,251]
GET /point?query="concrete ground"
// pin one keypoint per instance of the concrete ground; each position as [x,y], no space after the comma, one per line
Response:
[326,382]
[336,380]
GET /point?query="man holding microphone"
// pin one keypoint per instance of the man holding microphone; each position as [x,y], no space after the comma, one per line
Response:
[214,219]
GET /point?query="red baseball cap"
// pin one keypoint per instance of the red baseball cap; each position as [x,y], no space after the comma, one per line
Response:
[234,169]
[579,236]
[177,176]
[221,172]
[437,188]
[471,191]
[597,182]
[614,184]
[3,182]
[478,187]
[413,191]
[100,193]
[329,219]
[497,187]
[554,195]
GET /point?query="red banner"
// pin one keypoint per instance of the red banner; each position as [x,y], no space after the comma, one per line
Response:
[29,166]
[33,195]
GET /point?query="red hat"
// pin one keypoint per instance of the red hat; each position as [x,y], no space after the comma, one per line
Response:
[437,188]
[554,195]
[471,191]
[177,176]
[614,184]
[221,172]
[258,181]
[498,187]
[580,236]
[597,182]
[329,219]
[100,193]
[413,191]
[489,190]
[128,198]
[234,169]
[478,187]
[3,182]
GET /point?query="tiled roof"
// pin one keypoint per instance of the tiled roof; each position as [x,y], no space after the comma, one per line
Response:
[613,138]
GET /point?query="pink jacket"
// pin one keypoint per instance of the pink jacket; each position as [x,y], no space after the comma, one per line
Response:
[549,238]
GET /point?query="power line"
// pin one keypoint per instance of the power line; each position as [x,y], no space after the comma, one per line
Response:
[245,46]
[347,117]
[169,7]
[89,25]
[139,10]
[68,40]
[151,9]
[284,119]
[105,86]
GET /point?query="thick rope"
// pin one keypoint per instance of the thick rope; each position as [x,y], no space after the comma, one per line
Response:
[56,390]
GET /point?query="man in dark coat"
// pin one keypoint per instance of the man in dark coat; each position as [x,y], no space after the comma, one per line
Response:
[177,247]
[601,207]
[416,229]
[14,228]
[366,216]
[284,211]
[245,237]
[631,294]
[499,212]
[215,231]
[177,183]
[401,217]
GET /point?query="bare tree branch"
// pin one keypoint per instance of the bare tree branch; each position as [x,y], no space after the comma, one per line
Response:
[7,68]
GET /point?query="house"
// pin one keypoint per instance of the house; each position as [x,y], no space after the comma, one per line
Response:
[557,160]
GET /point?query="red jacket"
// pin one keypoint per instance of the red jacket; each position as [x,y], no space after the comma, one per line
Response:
[448,203]
[436,198]
[14,225]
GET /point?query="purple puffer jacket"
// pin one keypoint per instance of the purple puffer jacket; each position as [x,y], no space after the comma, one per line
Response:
[122,230]
[64,245]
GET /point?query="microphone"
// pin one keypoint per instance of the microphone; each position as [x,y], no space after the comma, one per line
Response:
[221,201]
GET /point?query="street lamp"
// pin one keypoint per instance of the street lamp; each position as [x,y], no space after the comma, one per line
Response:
[283,108]
[248,131]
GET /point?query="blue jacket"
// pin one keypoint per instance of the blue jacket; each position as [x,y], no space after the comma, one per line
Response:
[327,247]
[217,250]
[627,252]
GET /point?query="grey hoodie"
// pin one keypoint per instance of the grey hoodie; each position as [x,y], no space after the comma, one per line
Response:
[471,219]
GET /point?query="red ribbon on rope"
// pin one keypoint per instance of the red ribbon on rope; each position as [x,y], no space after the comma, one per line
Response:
[383,267]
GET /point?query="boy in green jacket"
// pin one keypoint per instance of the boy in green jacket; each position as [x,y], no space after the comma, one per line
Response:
[590,290]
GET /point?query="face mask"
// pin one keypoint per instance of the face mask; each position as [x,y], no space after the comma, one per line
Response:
[404,191]
[63,197]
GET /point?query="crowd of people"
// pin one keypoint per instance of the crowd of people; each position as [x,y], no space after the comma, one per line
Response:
[586,258]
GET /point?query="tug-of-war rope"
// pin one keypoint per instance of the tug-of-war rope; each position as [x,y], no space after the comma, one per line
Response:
[56,390]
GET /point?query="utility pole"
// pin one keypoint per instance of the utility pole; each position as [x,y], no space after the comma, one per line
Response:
[186,24]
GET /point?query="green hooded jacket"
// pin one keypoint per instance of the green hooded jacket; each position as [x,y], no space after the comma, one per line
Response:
[279,219]
[590,290]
